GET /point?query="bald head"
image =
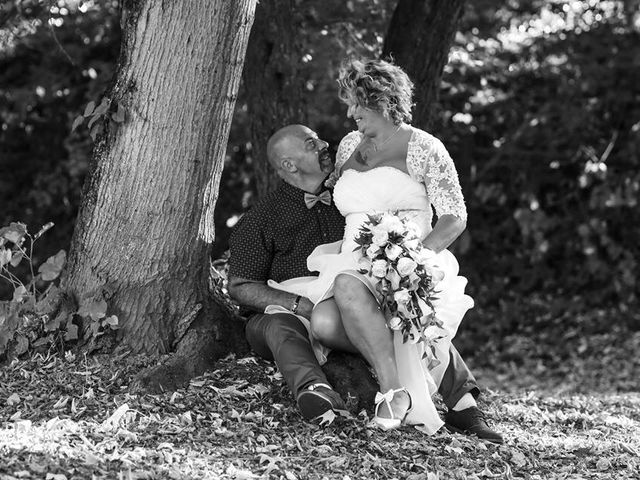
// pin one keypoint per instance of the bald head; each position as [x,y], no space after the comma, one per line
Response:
[281,144]
[299,157]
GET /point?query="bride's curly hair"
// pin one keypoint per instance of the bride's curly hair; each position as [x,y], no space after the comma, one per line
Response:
[377,85]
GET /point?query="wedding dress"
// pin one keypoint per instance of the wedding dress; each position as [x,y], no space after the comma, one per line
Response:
[432,180]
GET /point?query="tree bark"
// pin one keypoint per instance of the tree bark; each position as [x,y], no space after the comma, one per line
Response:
[145,227]
[273,83]
[418,38]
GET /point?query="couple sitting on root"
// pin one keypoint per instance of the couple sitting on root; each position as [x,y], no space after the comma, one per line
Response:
[308,227]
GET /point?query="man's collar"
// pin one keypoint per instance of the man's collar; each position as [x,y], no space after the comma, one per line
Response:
[295,192]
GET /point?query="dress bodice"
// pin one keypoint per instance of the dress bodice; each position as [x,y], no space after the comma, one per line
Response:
[380,189]
[430,169]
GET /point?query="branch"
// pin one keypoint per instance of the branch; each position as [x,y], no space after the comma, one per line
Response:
[55,37]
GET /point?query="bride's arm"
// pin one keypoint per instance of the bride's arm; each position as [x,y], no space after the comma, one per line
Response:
[446,230]
[443,188]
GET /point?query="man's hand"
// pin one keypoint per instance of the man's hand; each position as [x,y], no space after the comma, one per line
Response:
[258,295]
[305,307]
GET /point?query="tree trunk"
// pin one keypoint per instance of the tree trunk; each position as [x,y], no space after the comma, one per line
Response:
[145,227]
[273,83]
[419,38]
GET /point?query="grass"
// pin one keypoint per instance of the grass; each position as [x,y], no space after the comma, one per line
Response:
[74,419]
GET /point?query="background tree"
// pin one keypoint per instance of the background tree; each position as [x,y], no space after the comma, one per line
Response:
[418,39]
[144,232]
[294,50]
[273,81]
[293,56]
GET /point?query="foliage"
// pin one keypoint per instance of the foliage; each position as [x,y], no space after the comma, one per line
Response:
[36,318]
[27,312]
[73,417]
[96,116]
[542,115]
[56,58]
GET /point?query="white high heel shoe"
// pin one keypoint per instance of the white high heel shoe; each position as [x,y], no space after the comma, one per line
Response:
[393,422]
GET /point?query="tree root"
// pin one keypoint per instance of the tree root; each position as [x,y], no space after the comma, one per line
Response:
[213,334]
[351,377]
[216,332]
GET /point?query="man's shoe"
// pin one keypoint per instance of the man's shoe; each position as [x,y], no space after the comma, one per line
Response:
[317,399]
[471,421]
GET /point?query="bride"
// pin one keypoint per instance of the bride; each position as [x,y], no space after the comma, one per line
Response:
[387,165]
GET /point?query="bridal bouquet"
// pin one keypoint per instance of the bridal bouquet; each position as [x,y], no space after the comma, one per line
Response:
[393,254]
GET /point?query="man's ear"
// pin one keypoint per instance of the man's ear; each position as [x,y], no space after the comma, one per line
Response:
[289,165]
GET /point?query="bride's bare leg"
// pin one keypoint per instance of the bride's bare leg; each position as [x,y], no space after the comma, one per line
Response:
[326,326]
[366,329]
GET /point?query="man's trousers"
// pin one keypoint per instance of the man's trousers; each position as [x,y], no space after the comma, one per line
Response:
[281,337]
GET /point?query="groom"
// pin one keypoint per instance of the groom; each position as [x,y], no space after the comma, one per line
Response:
[273,241]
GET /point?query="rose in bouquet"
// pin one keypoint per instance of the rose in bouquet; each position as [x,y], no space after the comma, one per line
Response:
[406,278]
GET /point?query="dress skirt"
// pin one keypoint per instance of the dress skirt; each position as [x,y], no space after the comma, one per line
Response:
[450,306]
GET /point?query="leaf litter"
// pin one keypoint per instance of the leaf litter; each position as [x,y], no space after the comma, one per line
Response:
[73,418]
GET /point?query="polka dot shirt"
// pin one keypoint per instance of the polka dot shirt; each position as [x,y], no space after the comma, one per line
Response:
[275,237]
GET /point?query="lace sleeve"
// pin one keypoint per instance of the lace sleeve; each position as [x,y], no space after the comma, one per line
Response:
[430,162]
[347,146]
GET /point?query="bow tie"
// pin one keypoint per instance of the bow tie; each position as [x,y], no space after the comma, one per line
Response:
[310,199]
